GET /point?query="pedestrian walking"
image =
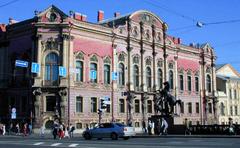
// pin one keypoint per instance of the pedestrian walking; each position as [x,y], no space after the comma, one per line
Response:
[164,127]
[60,132]
[66,132]
[3,129]
[42,131]
[30,128]
[187,127]
[55,131]
[18,129]
[25,129]
[72,128]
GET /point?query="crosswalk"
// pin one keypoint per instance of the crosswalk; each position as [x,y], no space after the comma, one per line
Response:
[55,144]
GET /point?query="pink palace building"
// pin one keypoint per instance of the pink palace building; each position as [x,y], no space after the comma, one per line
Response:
[73,65]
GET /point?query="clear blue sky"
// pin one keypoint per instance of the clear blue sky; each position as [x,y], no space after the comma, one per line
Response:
[180,15]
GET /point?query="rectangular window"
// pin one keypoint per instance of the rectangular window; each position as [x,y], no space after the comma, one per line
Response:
[79,71]
[235,94]
[137,106]
[181,82]
[79,104]
[149,106]
[50,103]
[182,108]
[197,108]
[231,110]
[121,106]
[189,107]
[236,110]
[93,105]
[230,93]
[209,108]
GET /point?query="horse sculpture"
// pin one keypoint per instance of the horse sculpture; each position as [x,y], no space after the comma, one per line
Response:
[164,102]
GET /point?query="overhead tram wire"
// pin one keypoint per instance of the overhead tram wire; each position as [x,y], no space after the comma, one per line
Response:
[8,3]
[171,11]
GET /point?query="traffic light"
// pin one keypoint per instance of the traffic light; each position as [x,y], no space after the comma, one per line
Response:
[102,104]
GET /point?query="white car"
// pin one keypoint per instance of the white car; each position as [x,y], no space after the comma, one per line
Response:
[110,130]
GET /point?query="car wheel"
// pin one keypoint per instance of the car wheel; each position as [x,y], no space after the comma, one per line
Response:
[125,138]
[87,136]
[114,136]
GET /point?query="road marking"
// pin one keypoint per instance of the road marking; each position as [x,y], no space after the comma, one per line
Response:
[72,145]
[39,143]
[56,144]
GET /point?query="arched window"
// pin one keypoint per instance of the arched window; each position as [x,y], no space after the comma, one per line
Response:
[160,78]
[208,83]
[196,84]
[51,69]
[189,81]
[121,76]
[148,77]
[79,68]
[171,79]
[181,82]
[106,74]
[93,70]
[136,76]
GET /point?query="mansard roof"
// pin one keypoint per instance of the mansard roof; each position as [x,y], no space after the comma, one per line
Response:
[144,16]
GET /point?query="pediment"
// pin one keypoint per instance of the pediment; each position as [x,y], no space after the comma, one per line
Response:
[52,14]
[228,71]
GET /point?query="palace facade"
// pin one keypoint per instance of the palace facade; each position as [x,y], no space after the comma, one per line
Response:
[129,54]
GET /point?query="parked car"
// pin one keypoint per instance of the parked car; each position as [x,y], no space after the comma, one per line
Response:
[109,130]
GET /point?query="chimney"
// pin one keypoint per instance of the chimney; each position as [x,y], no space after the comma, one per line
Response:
[84,18]
[116,14]
[179,41]
[2,28]
[77,16]
[100,15]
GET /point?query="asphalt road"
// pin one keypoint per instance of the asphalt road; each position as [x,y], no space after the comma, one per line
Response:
[153,142]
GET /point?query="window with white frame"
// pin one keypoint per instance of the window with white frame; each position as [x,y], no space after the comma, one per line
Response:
[79,104]
[148,77]
[121,105]
[93,69]
[121,76]
[106,74]
[93,104]
[79,69]
[137,106]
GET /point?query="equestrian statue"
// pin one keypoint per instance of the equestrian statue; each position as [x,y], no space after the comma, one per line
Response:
[164,102]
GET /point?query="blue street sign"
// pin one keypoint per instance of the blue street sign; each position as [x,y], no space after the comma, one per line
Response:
[93,74]
[114,75]
[62,71]
[21,63]
[35,68]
